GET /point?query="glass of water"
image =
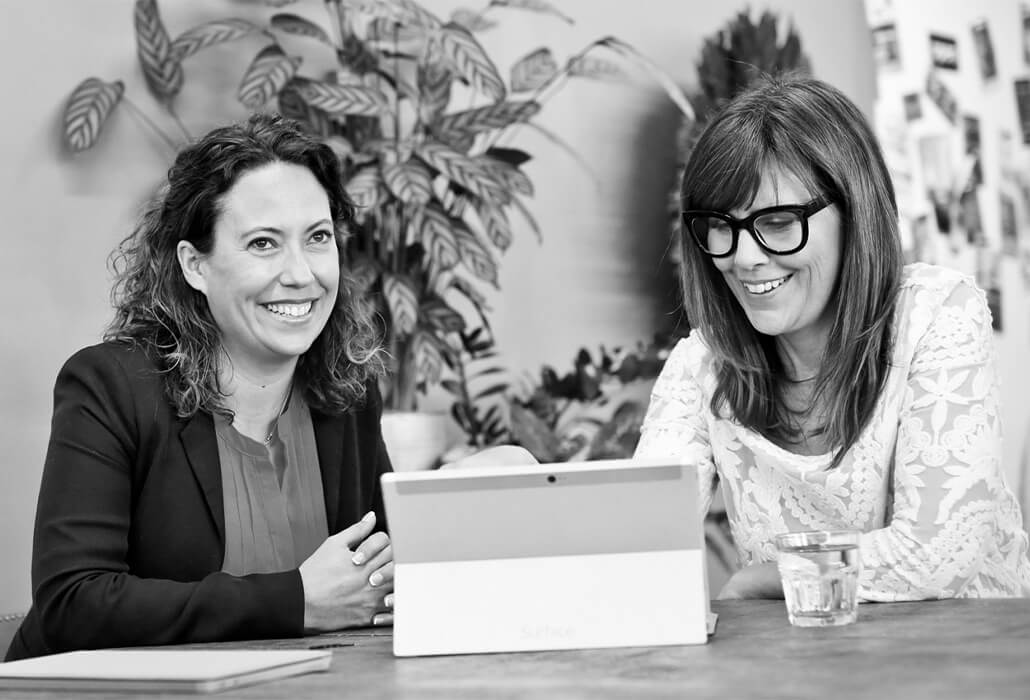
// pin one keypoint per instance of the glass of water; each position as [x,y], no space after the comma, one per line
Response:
[819,571]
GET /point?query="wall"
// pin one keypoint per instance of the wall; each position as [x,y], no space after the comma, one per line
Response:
[930,151]
[592,280]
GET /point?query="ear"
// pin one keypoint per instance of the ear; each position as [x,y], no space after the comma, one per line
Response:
[191,264]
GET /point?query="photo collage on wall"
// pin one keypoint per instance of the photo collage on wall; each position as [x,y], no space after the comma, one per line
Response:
[956,206]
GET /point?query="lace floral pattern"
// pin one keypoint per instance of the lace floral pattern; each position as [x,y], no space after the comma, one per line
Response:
[923,482]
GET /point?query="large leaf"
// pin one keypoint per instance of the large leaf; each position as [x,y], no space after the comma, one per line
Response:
[672,90]
[475,256]
[441,316]
[87,110]
[410,181]
[517,203]
[510,177]
[402,300]
[462,169]
[595,68]
[495,225]
[471,293]
[400,11]
[365,188]
[292,105]
[436,231]
[381,30]
[400,74]
[268,73]
[511,156]
[340,100]
[428,361]
[472,20]
[495,116]
[161,67]
[540,6]
[289,23]
[210,33]
[471,62]
[533,70]
[434,86]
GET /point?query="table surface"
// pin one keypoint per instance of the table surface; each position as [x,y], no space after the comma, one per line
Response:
[968,649]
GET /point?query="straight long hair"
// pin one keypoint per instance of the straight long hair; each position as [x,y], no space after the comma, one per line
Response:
[156,309]
[813,131]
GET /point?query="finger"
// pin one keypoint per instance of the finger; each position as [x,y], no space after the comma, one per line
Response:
[382,576]
[356,533]
[370,548]
[388,600]
[383,619]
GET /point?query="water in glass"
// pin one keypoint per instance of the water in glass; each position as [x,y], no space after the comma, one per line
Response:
[820,582]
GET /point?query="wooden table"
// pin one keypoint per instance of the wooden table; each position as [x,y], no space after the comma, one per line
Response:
[968,649]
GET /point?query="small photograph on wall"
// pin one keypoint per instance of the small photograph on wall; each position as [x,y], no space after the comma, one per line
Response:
[944,51]
[1023,107]
[941,96]
[1009,234]
[971,134]
[969,215]
[984,50]
[885,46]
[913,107]
[1026,34]
[988,277]
[923,243]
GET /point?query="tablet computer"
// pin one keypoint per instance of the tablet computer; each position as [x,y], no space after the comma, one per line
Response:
[549,556]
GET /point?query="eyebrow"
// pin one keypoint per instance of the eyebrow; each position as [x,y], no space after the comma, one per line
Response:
[273,229]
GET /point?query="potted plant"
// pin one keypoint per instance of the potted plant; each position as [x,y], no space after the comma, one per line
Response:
[435,192]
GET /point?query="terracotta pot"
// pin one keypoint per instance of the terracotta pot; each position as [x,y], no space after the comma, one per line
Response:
[416,440]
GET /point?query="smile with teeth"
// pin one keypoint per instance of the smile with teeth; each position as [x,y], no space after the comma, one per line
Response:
[765,287]
[290,310]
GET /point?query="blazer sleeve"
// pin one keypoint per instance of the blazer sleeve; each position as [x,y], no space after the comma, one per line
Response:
[84,593]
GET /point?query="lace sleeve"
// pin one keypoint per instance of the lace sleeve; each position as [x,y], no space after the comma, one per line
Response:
[675,425]
[947,479]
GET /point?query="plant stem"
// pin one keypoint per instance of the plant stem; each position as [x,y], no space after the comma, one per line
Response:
[150,123]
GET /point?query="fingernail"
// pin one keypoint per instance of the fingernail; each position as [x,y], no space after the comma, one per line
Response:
[388,600]
[375,579]
[358,558]
[369,517]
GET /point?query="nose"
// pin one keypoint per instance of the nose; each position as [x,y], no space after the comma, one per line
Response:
[296,271]
[748,254]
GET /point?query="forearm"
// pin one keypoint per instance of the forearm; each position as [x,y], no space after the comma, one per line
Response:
[104,609]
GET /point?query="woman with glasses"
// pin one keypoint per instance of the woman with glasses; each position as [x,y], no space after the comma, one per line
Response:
[826,385]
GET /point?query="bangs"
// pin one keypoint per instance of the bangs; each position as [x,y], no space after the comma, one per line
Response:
[728,165]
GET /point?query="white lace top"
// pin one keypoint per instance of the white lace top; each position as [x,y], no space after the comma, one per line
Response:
[923,482]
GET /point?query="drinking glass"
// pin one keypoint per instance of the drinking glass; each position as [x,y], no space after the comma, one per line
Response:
[819,570]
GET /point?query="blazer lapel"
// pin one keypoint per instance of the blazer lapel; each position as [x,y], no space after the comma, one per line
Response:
[329,443]
[201,446]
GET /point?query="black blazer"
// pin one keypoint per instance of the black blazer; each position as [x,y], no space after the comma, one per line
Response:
[130,530]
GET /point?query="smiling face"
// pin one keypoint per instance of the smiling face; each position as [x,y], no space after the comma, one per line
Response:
[272,276]
[787,295]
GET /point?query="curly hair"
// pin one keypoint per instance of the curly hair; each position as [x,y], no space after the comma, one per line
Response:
[156,309]
[813,131]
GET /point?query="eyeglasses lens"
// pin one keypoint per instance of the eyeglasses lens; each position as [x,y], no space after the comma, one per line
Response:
[778,231]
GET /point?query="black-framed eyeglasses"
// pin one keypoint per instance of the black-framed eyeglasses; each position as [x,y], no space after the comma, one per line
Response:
[779,230]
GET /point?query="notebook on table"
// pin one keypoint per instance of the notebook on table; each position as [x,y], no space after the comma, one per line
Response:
[551,556]
[159,670]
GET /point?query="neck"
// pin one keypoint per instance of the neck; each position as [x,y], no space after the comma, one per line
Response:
[256,398]
[802,356]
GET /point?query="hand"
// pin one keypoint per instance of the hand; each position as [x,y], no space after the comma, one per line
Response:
[754,581]
[345,588]
[500,456]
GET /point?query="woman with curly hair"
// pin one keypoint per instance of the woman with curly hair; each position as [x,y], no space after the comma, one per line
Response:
[213,466]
